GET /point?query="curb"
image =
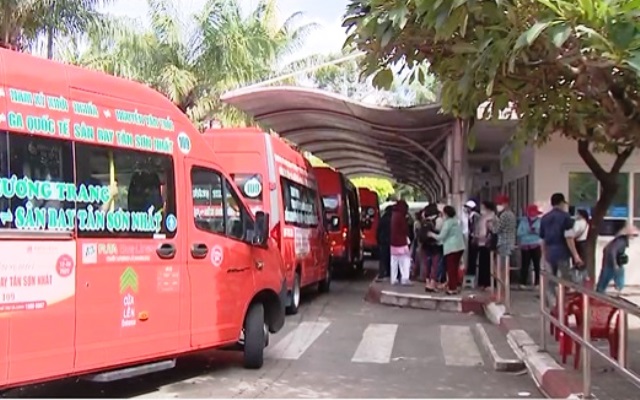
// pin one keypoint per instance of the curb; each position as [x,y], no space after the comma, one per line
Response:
[552,379]
[459,304]
[499,363]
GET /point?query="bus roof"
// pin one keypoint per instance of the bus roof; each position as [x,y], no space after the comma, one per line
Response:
[52,99]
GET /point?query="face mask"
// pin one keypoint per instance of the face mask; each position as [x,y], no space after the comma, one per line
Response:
[500,208]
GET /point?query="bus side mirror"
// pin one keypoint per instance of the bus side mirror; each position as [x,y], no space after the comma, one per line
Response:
[261,231]
[331,222]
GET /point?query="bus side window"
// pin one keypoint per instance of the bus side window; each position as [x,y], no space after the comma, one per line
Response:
[208,204]
[145,202]
[239,225]
[38,159]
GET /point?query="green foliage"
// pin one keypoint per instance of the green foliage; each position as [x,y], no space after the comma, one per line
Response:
[408,193]
[193,63]
[568,67]
[24,21]
[382,186]
[315,161]
[345,78]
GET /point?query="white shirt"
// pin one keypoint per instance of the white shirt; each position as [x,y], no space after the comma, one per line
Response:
[581,229]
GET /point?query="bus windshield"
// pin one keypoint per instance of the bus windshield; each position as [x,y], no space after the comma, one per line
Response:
[330,203]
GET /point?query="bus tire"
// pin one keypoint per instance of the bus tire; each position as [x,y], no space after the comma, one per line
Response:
[325,285]
[359,266]
[254,337]
[294,297]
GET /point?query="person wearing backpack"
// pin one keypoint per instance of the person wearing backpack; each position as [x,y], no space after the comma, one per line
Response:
[529,240]
[431,249]
[453,247]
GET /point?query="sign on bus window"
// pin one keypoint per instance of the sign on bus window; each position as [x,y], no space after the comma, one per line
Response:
[250,185]
[299,204]
[94,191]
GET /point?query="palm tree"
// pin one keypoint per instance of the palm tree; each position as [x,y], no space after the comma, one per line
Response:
[24,21]
[192,64]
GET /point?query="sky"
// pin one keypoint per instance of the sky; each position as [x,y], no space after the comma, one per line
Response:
[328,38]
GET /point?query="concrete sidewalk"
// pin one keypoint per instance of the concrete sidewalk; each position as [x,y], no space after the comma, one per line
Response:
[555,379]
[415,296]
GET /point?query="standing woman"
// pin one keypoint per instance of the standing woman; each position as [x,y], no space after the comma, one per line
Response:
[483,241]
[400,240]
[581,231]
[452,241]
[529,240]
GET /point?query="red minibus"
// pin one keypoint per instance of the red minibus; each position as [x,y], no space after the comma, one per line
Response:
[342,218]
[370,211]
[273,176]
[129,244]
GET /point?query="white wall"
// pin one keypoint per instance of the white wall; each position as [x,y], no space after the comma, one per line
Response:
[552,165]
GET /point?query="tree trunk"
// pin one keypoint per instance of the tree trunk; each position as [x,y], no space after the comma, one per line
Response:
[608,188]
[50,34]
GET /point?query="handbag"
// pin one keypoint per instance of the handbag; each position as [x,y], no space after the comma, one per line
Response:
[622,259]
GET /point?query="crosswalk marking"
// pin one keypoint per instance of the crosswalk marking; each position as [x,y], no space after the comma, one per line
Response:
[293,346]
[376,344]
[459,346]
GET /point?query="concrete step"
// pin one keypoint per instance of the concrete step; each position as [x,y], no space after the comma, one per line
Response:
[435,302]
[495,346]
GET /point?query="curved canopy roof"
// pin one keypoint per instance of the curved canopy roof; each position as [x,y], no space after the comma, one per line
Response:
[405,144]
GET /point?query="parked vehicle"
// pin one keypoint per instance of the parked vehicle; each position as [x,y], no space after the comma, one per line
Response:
[370,212]
[257,160]
[129,242]
[342,217]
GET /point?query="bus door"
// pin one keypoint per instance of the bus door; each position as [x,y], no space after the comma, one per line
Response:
[220,261]
[4,354]
[129,274]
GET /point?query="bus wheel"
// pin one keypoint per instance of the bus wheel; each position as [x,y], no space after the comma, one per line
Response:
[325,285]
[294,297]
[359,266]
[255,337]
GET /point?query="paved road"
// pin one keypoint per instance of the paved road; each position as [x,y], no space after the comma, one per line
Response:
[337,346]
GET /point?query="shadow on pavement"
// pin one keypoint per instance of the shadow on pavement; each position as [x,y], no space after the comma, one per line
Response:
[195,365]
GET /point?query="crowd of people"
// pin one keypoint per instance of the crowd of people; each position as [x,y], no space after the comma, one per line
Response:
[443,249]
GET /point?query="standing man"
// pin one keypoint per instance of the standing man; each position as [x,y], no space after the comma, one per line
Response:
[383,236]
[558,240]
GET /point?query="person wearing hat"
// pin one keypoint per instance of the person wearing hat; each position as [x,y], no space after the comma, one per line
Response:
[470,219]
[614,259]
[529,241]
[557,241]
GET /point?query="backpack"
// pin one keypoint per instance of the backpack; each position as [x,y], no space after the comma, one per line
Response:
[427,227]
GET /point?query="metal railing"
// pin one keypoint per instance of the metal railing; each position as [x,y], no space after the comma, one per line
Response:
[501,280]
[623,308]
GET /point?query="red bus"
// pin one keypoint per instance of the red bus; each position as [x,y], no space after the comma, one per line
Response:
[120,261]
[258,160]
[342,217]
[370,211]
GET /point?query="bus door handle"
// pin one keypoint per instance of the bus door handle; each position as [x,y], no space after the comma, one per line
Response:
[199,250]
[166,251]
[259,264]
